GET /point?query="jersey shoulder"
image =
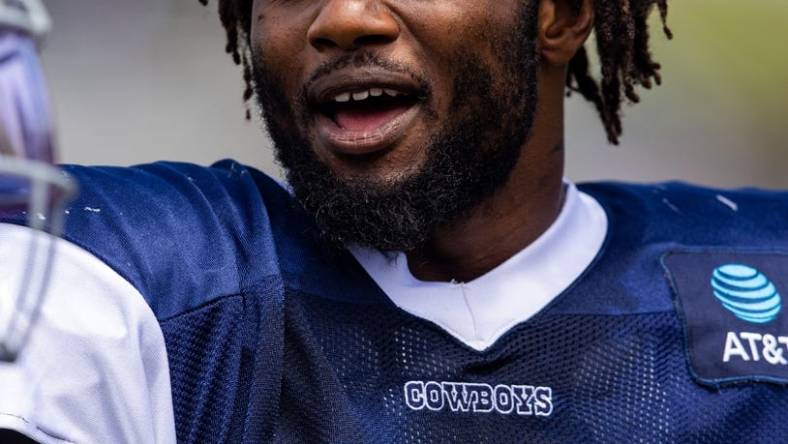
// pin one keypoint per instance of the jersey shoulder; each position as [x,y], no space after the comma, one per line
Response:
[178,232]
[647,223]
[185,234]
[680,213]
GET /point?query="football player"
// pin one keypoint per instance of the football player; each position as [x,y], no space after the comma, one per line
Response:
[427,274]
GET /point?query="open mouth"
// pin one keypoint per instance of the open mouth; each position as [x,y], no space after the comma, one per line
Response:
[360,116]
[367,110]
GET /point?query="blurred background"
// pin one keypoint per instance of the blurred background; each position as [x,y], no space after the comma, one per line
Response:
[143,80]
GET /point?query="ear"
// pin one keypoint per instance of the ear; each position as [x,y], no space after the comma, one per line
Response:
[564,25]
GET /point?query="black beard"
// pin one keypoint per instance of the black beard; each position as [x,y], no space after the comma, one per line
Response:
[468,159]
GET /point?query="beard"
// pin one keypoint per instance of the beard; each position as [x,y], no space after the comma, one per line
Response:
[468,157]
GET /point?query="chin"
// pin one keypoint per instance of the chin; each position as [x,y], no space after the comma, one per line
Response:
[385,168]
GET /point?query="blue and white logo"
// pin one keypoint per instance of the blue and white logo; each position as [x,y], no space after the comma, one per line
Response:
[746,292]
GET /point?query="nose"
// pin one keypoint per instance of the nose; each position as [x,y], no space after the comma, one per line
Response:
[352,24]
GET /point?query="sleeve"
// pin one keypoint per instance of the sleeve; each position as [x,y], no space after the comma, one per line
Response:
[95,368]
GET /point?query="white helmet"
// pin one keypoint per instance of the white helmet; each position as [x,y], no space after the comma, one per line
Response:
[32,190]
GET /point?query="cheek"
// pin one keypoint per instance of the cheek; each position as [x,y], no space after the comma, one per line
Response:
[443,33]
[444,28]
[278,41]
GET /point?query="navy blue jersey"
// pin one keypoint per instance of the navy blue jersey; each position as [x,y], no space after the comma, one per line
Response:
[273,336]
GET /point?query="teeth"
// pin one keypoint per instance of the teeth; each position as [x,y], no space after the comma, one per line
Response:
[342,98]
[360,96]
[364,95]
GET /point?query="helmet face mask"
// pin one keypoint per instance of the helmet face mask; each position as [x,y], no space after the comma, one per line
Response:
[32,190]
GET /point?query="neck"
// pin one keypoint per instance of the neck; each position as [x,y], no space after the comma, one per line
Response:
[512,218]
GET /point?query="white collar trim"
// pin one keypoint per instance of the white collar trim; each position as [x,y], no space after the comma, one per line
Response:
[479,312]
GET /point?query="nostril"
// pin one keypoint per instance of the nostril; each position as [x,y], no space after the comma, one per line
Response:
[371,40]
[321,42]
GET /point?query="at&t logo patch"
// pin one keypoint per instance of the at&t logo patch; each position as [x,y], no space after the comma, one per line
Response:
[750,296]
[746,292]
[731,307]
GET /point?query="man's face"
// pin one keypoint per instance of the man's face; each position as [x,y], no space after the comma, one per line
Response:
[393,118]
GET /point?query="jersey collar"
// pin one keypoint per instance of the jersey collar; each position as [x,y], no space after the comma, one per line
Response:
[479,312]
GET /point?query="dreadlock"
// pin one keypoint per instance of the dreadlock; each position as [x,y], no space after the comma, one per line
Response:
[622,43]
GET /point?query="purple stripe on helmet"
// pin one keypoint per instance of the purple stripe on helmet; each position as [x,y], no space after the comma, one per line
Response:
[25,123]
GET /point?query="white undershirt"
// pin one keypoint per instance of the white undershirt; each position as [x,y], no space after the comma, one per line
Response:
[481,311]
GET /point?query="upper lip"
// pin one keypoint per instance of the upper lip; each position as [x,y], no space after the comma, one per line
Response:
[353,80]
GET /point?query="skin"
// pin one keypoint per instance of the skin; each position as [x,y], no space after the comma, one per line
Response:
[295,37]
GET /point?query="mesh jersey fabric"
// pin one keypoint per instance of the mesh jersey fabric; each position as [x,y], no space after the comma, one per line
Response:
[274,337]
